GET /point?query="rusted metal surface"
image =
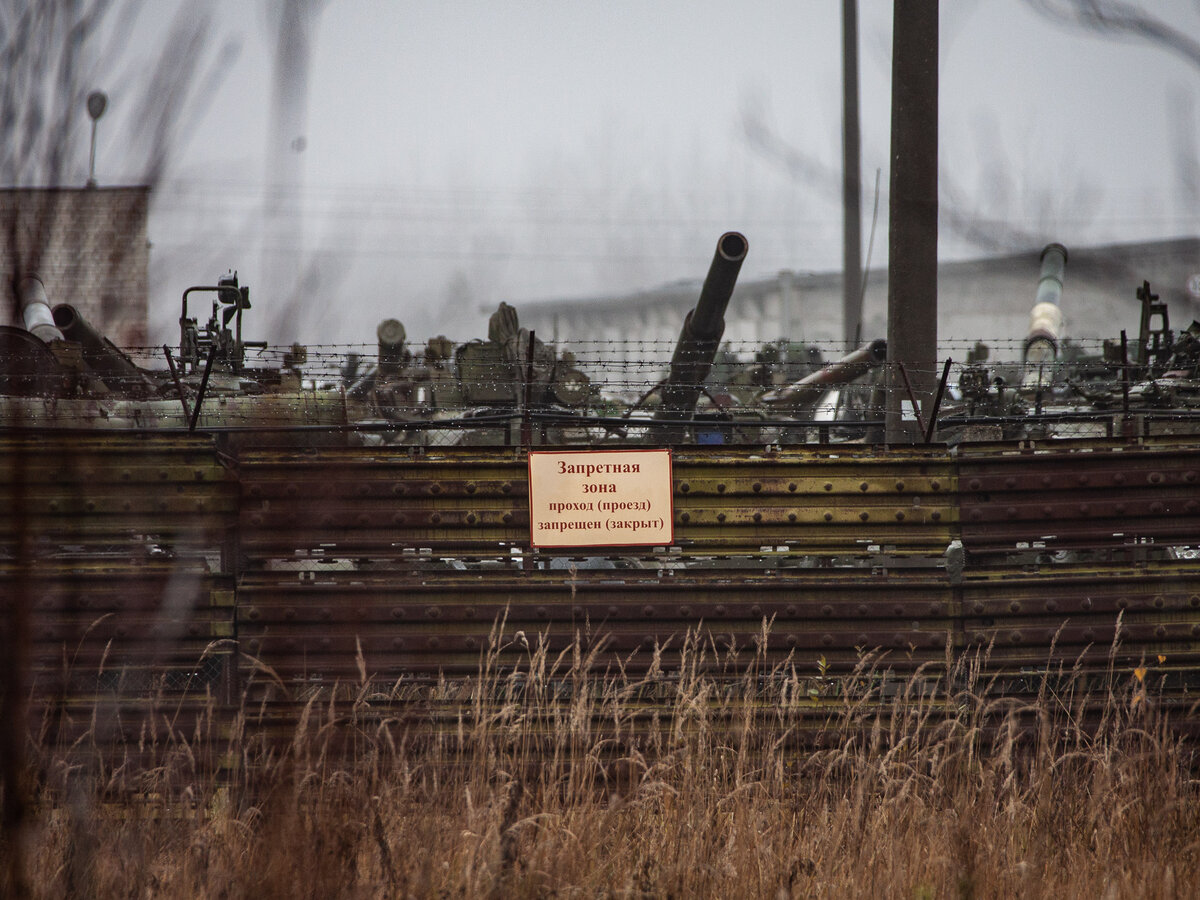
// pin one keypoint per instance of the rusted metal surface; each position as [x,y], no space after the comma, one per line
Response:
[1079,495]
[321,566]
[113,491]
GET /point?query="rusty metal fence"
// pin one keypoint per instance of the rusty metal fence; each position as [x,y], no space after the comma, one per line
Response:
[154,566]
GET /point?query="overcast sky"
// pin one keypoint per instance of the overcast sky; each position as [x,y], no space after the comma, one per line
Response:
[461,153]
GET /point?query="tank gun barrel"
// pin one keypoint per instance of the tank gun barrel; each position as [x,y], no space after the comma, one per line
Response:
[702,330]
[1046,317]
[813,386]
[35,309]
[101,355]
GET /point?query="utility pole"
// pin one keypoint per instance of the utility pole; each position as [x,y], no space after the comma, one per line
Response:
[851,181]
[912,220]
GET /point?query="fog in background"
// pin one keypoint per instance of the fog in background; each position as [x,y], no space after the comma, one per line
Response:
[360,159]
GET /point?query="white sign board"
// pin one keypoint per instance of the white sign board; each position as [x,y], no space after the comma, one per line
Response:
[600,498]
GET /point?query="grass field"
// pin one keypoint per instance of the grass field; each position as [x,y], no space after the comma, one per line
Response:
[556,780]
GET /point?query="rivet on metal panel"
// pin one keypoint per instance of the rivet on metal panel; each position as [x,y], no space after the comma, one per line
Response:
[898,610]
[435,488]
[292,490]
[1015,606]
[163,474]
[397,643]
[290,644]
[1196,629]
[53,506]
[898,640]
[791,517]
[472,518]
[542,612]
[975,484]
[1010,482]
[720,517]
[432,612]
[648,640]
[758,517]
[289,613]
[126,475]
[935,609]
[936,516]
[720,488]
[1122,603]
[1086,603]
[433,642]
[255,644]
[399,488]
[471,643]
[792,486]
[201,503]
[829,485]
[827,639]
[1159,601]
[253,614]
[397,612]
[756,611]
[861,641]
[685,517]
[506,518]
[1156,508]
[976,515]
[756,487]
[162,505]
[648,611]
[470,612]
[719,609]
[198,474]
[1119,509]
[613,611]
[1189,476]
[684,487]
[1194,601]
[1051,605]
[978,607]
[685,611]
[1014,637]
[435,518]
[470,487]
[90,506]
[864,515]
[863,486]
[899,515]
[935,485]
[364,490]
[1190,506]
[1089,634]
[828,516]
[1010,511]
[362,519]
[1048,511]
[398,518]
[863,609]
[326,643]
[506,488]
[791,640]
[1119,478]
[327,521]
[1160,631]
[899,485]
[1084,509]
[1155,478]
[254,490]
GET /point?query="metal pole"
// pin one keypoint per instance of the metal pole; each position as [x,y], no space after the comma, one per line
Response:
[912,219]
[851,180]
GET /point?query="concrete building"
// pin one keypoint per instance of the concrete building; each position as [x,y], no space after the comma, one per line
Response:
[984,299]
[89,247]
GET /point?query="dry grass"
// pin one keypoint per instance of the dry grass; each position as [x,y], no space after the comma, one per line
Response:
[553,779]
